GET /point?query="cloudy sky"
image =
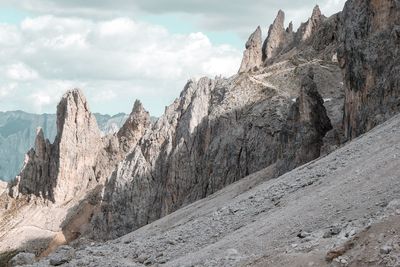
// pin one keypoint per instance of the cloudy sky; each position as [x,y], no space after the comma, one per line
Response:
[121,50]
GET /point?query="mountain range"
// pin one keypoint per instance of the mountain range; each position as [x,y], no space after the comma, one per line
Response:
[293,161]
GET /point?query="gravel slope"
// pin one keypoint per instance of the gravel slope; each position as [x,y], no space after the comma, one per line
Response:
[290,221]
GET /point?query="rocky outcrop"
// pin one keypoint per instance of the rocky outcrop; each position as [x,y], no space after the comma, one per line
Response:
[134,127]
[276,38]
[370,59]
[252,56]
[307,125]
[63,170]
[18,134]
[3,187]
[216,133]
[307,29]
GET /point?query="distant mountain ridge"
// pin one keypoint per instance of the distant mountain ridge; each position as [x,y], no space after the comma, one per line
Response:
[18,132]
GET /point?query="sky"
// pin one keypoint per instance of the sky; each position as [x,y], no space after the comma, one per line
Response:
[121,50]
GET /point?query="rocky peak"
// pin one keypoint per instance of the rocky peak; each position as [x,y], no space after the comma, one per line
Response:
[289,29]
[252,56]
[134,127]
[61,171]
[40,143]
[276,37]
[307,29]
[73,114]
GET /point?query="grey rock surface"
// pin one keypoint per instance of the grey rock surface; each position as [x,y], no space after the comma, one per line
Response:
[62,255]
[18,134]
[246,224]
[62,170]
[252,56]
[23,258]
[216,133]
[276,38]
[370,58]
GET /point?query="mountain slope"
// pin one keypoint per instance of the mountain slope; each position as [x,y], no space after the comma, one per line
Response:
[280,222]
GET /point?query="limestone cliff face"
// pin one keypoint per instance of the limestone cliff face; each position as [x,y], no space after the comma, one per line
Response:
[311,40]
[307,124]
[252,56]
[370,58]
[217,132]
[64,169]
[276,38]
[307,29]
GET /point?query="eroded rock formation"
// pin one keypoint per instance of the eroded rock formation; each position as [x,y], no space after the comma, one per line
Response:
[216,133]
[276,38]
[63,170]
[370,58]
[306,126]
[252,56]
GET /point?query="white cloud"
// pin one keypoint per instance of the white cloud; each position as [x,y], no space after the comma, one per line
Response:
[112,60]
[21,72]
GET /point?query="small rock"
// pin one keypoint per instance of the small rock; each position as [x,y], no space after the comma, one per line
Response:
[303,234]
[334,230]
[63,254]
[22,258]
[351,233]
[142,258]
[394,205]
[386,249]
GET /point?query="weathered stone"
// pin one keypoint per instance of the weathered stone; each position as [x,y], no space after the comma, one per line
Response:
[252,56]
[370,58]
[64,170]
[23,258]
[306,126]
[385,249]
[307,29]
[276,38]
[63,254]
[205,141]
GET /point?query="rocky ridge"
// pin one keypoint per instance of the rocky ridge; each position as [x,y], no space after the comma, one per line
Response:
[61,182]
[221,130]
[18,134]
[325,213]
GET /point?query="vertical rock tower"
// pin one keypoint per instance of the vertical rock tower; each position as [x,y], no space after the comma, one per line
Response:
[63,170]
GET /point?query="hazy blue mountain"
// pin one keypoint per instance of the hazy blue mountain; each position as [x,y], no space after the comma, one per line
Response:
[18,132]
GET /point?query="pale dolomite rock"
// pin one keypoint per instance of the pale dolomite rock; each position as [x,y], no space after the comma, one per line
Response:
[252,56]
[60,184]
[63,170]
[276,37]
[307,29]
[3,187]
[217,132]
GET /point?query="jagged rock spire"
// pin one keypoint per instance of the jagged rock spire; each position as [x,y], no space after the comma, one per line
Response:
[276,37]
[64,169]
[134,127]
[252,56]
[308,28]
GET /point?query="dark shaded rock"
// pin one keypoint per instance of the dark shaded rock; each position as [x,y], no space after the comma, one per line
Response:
[370,58]
[62,255]
[306,126]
